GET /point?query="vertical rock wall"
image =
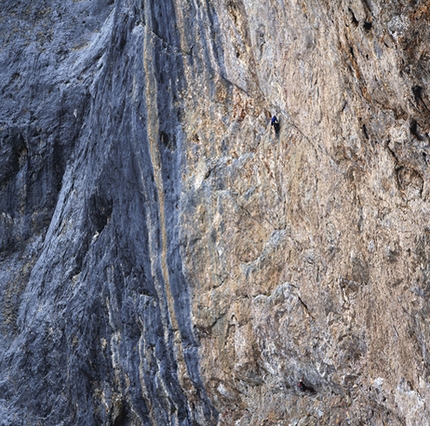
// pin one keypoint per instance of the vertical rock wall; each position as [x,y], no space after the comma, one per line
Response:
[166,259]
[314,243]
[96,314]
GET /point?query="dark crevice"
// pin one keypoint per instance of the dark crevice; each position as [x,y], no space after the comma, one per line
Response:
[413,128]
[417,91]
[167,141]
[353,18]
[121,416]
[100,210]
[305,307]
[366,135]
[418,96]
[13,150]
[367,26]
[344,105]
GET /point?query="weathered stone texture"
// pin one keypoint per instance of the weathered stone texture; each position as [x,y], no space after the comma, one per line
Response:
[166,259]
[313,243]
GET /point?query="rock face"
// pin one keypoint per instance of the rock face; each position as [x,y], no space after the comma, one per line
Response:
[165,258]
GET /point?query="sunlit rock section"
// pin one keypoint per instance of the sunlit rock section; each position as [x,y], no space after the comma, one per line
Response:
[308,253]
[165,258]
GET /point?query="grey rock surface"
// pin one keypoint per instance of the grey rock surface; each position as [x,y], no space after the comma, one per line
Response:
[95,311]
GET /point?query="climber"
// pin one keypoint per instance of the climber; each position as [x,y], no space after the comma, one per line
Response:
[305,388]
[275,123]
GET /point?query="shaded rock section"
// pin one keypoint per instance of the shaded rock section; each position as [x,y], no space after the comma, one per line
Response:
[95,309]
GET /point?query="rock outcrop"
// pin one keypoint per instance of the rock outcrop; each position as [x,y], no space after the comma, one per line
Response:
[165,258]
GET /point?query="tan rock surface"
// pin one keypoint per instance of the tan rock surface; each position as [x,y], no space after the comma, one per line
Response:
[308,253]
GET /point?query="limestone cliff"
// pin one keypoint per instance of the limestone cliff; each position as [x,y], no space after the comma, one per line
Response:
[165,258]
